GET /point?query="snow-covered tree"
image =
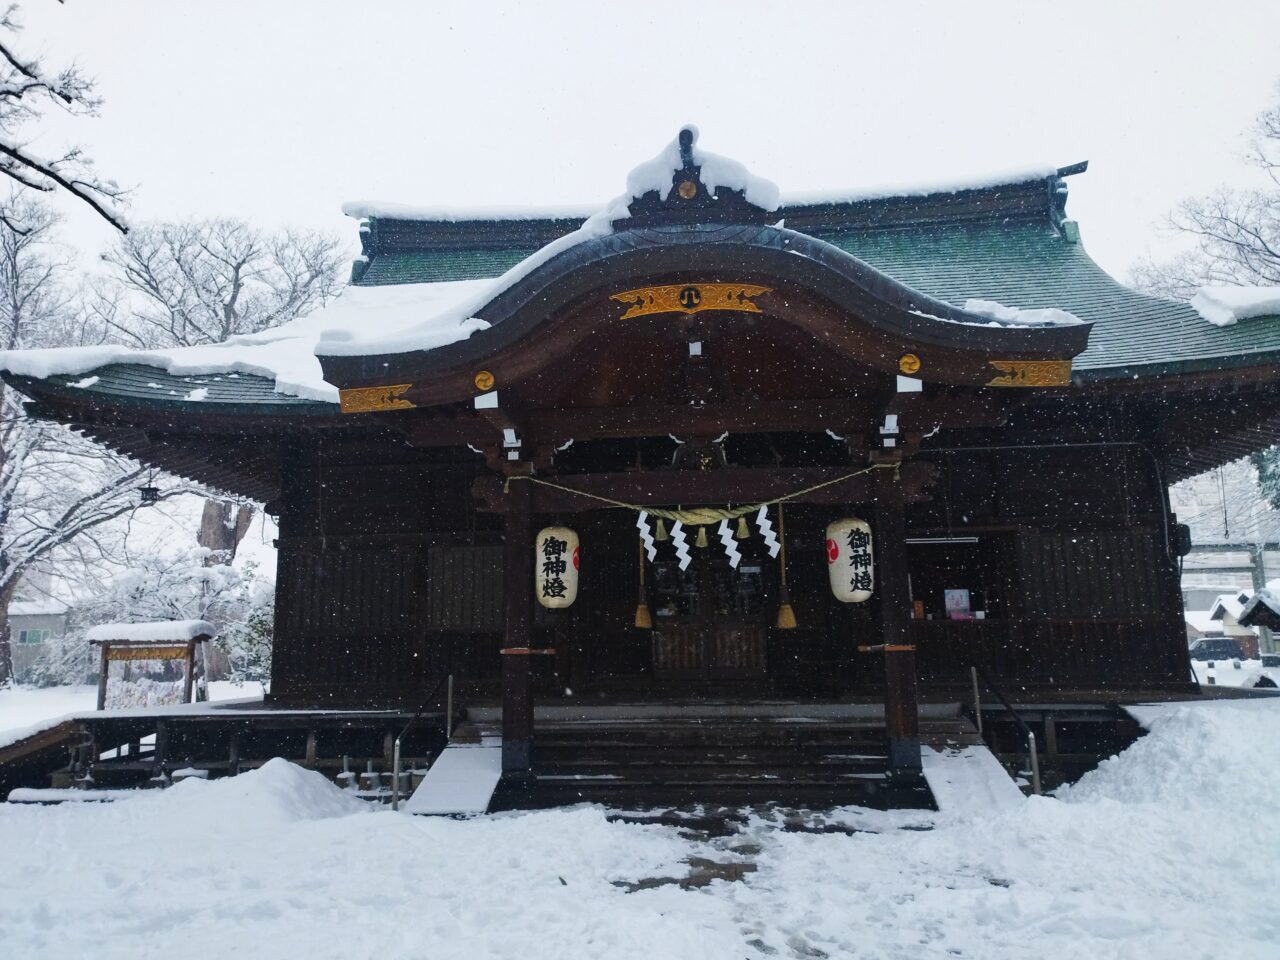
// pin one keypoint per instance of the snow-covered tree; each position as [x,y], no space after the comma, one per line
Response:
[1235,236]
[1234,232]
[28,89]
[187,585]
[182,284]
[57,490]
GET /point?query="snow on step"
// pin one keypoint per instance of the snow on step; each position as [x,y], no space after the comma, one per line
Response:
[462,780]
[968,781]
[67,795]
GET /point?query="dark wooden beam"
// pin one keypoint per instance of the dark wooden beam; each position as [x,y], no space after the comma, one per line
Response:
[727,485]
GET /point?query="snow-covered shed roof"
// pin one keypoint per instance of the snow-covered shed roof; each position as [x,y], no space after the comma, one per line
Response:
[1261,610]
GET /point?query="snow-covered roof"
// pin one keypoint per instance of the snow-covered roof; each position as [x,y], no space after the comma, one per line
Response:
[1225,306]
[1202,620]
[1228,603]
[37,608]
[160,631]
[922,188]
[1267,597]
[285,354]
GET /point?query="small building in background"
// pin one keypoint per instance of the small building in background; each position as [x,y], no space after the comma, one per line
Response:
[1227,610]
[32,624]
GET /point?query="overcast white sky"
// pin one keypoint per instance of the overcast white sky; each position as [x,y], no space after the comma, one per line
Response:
[280,111]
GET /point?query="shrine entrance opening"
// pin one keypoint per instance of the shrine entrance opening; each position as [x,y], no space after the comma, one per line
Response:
[711,619]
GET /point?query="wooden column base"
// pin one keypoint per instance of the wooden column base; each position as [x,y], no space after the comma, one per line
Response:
[901,710]
[517,707]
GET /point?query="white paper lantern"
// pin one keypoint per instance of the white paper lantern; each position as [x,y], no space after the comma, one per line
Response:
[555,567]
[849,561]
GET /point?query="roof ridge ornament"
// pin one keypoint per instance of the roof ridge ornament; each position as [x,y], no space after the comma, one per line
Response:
[690,198]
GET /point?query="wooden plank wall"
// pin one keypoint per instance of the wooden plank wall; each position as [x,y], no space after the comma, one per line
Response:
[390,577]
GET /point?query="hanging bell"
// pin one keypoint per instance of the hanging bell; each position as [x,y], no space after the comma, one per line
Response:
[702,538]
[743,531]
[662,534]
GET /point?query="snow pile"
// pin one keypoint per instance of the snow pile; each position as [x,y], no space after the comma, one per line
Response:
[1219,756]
[278,792]
[1013,316]
[159,631]
[1225,306]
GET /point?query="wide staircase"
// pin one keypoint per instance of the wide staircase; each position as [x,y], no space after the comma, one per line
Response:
[816,756]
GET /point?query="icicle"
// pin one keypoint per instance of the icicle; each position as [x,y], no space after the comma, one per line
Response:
[730,548]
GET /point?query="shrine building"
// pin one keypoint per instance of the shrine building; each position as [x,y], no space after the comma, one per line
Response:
[712,454]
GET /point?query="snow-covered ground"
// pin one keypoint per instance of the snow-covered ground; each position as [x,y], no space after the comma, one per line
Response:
[31,708]
[1166,851]
[1233,673]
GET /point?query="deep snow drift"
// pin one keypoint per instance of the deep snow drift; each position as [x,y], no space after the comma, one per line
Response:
[1164,852]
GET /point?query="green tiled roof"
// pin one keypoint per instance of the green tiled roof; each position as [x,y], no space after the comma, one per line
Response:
[429,266]
[1021,262]
[1029,264]
[125,384]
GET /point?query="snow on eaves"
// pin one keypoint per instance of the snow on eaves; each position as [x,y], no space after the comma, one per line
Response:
[160,631]
[1016,317]
[1225,306]
[285,354]
[924,188]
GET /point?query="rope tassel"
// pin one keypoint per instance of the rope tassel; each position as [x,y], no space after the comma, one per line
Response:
[744,532]
[644,620]
[786,615]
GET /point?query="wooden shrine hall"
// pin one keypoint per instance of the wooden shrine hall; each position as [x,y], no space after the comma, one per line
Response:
[710,448]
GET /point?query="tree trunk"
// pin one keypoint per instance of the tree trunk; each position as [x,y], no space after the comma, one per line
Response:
[6,651]
[222,527]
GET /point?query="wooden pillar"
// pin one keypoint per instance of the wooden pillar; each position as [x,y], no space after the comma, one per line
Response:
[901,703]
[188,683]
[104,663]
[517,581]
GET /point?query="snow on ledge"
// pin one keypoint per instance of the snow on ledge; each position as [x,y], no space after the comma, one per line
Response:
[1015,317]
[161,631]
[1225,306]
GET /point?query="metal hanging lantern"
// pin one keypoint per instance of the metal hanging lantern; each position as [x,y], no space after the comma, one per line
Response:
[150,493]
[555,560]
[849,560]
